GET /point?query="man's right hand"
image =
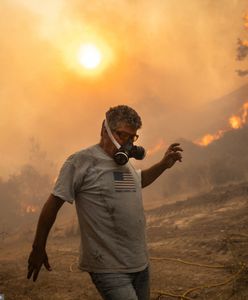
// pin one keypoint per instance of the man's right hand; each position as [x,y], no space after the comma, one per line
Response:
[38,255]
[37,258]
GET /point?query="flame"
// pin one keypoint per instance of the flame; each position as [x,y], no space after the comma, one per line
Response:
[160,145]
[209,138]
[235,122]
[30,209]
[246,21]
[27,208]
[245,112]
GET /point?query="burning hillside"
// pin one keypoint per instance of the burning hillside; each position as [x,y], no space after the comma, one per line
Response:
[234,122]
[222,161]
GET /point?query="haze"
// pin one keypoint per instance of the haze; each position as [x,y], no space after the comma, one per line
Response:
[167,60]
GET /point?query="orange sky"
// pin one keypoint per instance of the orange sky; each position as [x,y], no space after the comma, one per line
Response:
[164,58]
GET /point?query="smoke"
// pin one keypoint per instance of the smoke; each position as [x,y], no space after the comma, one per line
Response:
[221,163]
[168,59]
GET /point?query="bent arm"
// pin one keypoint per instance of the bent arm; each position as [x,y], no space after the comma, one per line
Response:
[149,175]
[170,157]
[46,220]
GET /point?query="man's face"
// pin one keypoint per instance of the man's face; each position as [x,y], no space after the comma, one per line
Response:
[124,133]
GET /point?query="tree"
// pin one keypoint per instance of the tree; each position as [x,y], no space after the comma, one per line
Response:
[242,50]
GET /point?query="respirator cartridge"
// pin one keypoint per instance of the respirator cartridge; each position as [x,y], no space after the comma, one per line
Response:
[126,151]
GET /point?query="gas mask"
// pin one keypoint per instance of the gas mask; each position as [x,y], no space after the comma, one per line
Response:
[126,151]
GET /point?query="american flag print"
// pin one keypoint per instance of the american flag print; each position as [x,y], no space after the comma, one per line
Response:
[124,182]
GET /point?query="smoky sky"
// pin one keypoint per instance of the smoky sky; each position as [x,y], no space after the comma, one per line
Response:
[170,58]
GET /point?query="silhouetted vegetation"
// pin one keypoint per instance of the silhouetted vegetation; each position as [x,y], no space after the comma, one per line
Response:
[22,195]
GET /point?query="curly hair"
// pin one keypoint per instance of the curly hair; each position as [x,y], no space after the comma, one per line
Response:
[123,114]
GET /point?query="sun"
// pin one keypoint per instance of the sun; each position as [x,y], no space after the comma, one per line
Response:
[90,56]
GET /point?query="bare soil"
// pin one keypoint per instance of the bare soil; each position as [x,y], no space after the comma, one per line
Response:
[198,249]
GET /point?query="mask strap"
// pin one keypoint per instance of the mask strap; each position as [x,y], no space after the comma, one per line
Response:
[111,135]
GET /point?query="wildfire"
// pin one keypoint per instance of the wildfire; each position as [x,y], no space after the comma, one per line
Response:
[235,122]
[31,209]
[246,21]
[28,208]
[160,145]
[209,138]
[245,112]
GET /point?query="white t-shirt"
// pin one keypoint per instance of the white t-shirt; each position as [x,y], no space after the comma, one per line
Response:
[110,211]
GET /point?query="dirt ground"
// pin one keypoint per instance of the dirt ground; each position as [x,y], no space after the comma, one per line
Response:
[198,249]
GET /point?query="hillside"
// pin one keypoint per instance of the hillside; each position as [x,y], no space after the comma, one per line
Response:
[217,112]
[201,242]
[222,162]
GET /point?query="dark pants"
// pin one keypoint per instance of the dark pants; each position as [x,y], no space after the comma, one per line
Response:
[123,286]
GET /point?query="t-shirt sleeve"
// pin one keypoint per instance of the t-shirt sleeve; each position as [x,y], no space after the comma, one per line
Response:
[67,182]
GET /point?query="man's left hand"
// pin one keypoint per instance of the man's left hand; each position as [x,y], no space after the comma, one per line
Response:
[172,155]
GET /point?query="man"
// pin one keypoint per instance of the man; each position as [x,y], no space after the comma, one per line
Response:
[107,194]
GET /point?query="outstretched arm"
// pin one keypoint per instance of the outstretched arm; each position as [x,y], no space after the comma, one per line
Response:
[172,155]
[38,255]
